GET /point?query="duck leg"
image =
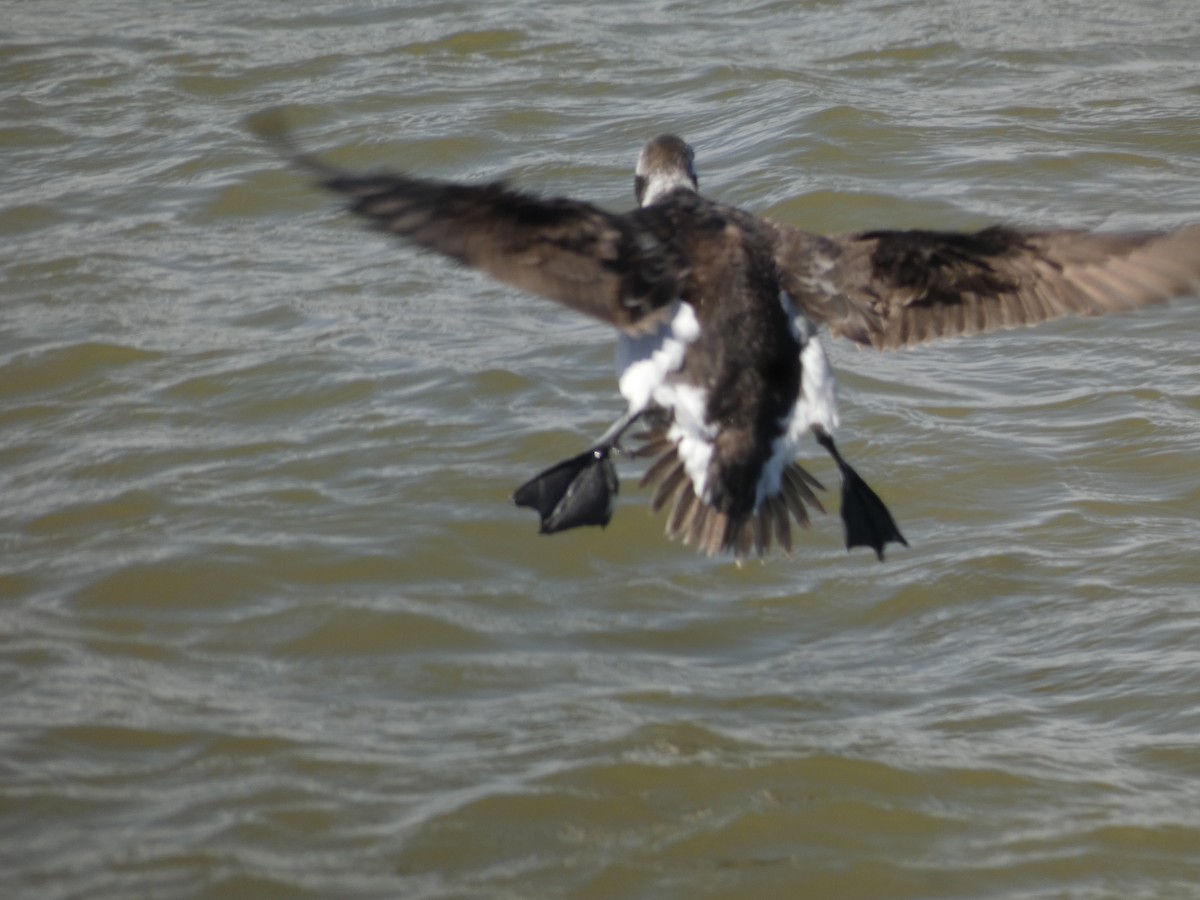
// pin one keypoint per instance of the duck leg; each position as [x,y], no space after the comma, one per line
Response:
[580,490]
[867,521]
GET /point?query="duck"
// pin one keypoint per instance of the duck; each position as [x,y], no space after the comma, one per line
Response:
[717,313]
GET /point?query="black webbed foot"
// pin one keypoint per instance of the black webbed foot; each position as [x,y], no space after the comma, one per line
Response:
[577,491]
[867,521]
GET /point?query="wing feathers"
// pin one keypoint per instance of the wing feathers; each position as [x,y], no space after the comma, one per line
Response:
[620,269]
[900,288]
[603,265]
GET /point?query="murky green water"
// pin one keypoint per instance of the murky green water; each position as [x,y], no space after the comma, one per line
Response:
[270,626]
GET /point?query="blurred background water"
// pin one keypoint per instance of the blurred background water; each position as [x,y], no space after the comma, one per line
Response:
[269,624]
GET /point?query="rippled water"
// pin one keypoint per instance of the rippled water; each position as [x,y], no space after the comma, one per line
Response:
[270,626]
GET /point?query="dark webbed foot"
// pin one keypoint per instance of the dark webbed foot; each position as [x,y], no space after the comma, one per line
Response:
[580,490]
[577,491]
[867,521]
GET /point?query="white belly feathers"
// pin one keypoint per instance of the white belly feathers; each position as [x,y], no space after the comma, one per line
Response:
[646,364]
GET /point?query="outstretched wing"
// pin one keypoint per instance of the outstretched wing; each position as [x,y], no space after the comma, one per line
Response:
[900,288]
[619,269]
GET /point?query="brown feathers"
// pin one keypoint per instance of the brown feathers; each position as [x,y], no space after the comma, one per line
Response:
[578,254]
[713,531]
[896,289]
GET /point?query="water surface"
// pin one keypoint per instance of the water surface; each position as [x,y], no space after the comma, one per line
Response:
[270,626]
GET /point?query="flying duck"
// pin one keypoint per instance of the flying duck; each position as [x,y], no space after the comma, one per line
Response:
[717,312]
